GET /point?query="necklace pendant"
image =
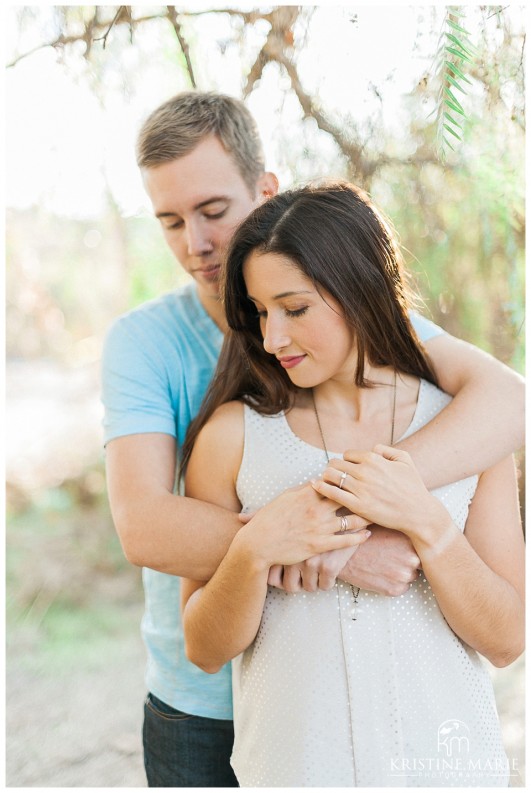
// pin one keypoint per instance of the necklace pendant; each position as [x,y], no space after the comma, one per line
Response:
[354,609]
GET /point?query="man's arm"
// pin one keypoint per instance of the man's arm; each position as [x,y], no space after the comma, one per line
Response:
[478,579]
[482,425]
[158,529]
[186,536]
[143,377]
[387,563]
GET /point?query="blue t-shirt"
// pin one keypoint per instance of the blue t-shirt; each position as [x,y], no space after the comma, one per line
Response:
[157,362]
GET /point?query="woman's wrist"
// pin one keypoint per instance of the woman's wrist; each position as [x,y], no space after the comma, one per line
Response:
[433,531]
[244,545]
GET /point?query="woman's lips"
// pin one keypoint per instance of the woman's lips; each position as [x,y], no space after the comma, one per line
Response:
[290,361]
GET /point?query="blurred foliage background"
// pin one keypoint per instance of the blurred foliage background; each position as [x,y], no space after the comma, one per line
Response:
[355,92]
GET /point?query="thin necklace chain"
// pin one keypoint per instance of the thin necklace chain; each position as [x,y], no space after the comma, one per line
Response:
[393,414]
[355,590]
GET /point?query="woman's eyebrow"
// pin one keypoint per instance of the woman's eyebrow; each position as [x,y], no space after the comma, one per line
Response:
[284,294]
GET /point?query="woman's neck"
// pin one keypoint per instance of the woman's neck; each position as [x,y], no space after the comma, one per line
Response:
[343,398]
[353,417]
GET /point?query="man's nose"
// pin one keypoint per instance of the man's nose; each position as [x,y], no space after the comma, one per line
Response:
[197,240]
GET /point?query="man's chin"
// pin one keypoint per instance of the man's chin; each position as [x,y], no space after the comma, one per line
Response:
[209,287]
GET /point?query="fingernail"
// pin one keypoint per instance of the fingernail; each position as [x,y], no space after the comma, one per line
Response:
[368,533]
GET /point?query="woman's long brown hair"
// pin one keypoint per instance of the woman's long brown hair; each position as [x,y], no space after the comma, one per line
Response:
[339,240]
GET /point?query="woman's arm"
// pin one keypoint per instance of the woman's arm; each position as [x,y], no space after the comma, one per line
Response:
[485,602]
[478,579]
[221,617]
[482,425]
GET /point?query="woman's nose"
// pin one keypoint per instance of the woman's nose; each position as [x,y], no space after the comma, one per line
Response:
[275,336]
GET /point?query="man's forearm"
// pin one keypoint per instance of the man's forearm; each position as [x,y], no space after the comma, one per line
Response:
[482,425]
[464,439]
[175,534]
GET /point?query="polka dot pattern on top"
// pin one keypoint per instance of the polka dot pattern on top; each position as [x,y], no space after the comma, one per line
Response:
[392,698]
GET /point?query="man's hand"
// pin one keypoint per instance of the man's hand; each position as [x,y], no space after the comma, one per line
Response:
[386,563]
[317,572]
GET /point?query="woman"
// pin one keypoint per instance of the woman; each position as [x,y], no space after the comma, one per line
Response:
[345,687]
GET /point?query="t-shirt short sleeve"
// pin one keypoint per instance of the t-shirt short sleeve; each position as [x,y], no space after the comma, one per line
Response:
[135,388]
[424,328]
[157,362]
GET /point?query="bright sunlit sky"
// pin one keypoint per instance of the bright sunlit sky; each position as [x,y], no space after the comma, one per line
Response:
[63,144]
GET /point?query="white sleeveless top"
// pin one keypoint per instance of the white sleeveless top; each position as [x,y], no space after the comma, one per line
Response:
[392,698]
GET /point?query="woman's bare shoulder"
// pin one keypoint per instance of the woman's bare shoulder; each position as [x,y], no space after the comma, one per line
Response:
[216,457]
[223,433]
[226,418]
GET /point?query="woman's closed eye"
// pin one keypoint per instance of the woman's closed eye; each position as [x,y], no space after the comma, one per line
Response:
[296,312]
[293,312]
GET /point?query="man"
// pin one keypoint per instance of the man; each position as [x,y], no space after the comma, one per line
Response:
[202,165]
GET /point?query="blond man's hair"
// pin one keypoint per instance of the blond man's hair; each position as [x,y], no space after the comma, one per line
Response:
[181,123]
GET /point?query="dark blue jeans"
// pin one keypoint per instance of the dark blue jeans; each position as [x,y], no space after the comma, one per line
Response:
[181,750]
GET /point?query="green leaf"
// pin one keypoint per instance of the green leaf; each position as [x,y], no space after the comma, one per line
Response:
[452,119]
[458,54]
[454,50]
[457,71]
[451,131]
[459,43]
[455,83]
[454,100]
[454,107]
[448,143]
[455,26]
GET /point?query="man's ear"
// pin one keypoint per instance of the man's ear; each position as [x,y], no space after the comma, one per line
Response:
[267,185]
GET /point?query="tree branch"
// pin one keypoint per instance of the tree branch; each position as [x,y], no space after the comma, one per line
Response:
[256,72]
[94,25]
[249,17]
[103,38]
[279,38]
[172,16]
[61,41]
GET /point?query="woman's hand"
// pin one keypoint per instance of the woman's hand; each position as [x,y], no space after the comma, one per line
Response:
[384,487]
[295,526]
